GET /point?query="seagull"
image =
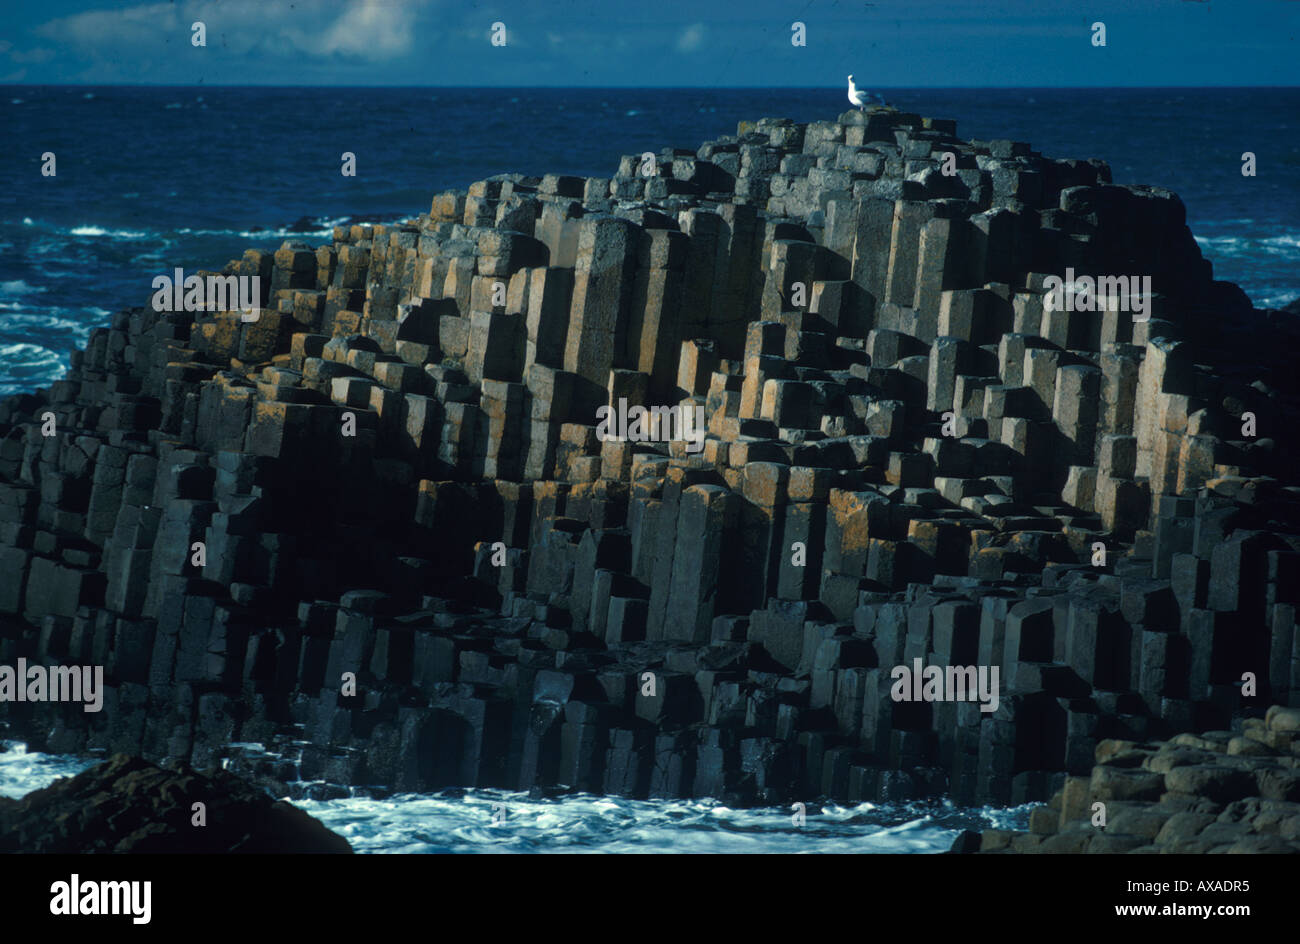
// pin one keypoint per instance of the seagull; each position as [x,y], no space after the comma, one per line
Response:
[856,96]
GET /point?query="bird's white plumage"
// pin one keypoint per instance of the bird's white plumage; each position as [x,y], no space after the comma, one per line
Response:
[856,95]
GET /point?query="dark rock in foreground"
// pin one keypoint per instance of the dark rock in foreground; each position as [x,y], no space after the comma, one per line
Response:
[127,804]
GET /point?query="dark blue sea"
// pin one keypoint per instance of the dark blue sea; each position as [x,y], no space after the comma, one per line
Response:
[154,178]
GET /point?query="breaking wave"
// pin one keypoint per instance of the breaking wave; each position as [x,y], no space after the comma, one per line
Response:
[496,821]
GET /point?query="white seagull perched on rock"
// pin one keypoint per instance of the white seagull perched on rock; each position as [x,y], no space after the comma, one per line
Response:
[857,96]
[860,97]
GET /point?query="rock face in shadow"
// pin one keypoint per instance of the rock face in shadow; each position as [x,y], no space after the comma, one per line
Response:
[127,804]
[383,528]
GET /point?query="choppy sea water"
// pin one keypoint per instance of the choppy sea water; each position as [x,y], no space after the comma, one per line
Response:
[22,771]
[495,821]
[154,178]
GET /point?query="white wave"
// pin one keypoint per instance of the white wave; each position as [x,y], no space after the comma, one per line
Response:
[284,233]
[48,322]
[22,350]
[488,821]
[1225,241]
[1277,300]
[495,821]
[19,287]
[1235,244]
[1233,247]
[261,233]
[22,771]
[93,230]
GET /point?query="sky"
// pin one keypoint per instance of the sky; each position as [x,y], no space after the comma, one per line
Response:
[652,43]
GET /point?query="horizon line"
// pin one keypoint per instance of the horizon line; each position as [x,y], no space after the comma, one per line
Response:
[682,88]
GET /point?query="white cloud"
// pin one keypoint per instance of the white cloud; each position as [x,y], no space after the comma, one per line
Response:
[363,29]
[692,38]
[105,29]
[371,29]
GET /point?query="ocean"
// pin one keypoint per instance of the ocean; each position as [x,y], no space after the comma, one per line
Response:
[496,821]
[149,179]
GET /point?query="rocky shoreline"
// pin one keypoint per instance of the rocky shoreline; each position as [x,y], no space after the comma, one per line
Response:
[376,530]
[1218,792]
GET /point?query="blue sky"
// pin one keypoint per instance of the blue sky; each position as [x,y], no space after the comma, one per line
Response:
[647,43]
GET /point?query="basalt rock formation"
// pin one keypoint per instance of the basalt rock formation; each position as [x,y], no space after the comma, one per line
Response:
[378,529]
[1219,792]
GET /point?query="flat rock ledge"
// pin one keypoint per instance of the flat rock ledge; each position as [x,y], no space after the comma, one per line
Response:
[1222,791]
[127,804]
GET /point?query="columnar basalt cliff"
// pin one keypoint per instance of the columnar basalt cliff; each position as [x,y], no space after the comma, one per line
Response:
[395,472]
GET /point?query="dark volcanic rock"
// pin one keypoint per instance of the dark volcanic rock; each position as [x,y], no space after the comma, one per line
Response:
[127,804]
[1224,792]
